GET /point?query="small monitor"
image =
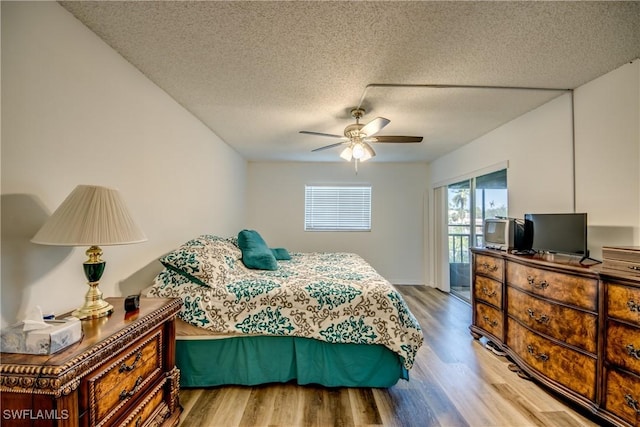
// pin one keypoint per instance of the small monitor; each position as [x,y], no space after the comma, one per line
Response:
[497,234]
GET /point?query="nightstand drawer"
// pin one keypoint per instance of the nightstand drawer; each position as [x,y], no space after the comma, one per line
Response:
[489,266]
[570,289]
[123,379]
[572,326]
[151,407]
[488,290]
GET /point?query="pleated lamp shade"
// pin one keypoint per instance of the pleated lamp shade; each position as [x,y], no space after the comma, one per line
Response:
[90,215]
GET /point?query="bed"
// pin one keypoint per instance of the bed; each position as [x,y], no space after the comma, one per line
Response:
[313,318]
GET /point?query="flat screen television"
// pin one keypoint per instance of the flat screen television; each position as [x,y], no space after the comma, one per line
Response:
[559,233]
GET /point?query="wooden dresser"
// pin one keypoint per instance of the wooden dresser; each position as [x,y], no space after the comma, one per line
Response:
[621,375]
[574,329]
[121,373]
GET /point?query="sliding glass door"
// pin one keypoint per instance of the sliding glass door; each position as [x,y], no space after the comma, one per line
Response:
[470,202]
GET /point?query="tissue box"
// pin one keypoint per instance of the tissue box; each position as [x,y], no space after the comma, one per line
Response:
[60,334]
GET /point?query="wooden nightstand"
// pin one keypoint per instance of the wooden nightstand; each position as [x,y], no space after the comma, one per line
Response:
[121,373]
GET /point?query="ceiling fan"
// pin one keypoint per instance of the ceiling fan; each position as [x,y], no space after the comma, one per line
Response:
[359,137]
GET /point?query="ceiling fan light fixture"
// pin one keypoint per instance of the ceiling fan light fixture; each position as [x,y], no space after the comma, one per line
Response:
[347,153]
[358,151]
[369,152]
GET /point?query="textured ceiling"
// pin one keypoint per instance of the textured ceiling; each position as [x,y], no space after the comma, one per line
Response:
[257,72]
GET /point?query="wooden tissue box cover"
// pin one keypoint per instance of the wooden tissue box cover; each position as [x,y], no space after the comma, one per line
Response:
[61,334]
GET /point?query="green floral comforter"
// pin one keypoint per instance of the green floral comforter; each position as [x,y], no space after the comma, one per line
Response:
[333,297]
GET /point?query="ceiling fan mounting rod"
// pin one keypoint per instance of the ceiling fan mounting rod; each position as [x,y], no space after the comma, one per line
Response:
[452,86]
[357,113]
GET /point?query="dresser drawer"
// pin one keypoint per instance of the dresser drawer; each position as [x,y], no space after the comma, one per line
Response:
[123,379]
[623,346]
[574,290]
[622,396]
[489,319]
[149,408]
[489,266]
[488,290]
[623,302]
[572,326]
[570,368]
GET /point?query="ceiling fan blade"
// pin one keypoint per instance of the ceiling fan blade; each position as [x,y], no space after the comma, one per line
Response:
[394,138]
[330,135]
[329,146]
[375,126]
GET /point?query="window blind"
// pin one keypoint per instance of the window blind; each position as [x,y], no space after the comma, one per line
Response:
[337,208]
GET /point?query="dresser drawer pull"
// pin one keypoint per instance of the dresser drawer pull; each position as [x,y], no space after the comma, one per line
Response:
[633,306]
[486,292]
[540,285]
[493,323]
[124,394]
[632,351]
[489,267]
[632,403]
[543,318]
[128,368]
[139,422]
[538,356]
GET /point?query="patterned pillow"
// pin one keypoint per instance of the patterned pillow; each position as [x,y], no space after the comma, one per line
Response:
[206,260]
[227,245]
[167,278]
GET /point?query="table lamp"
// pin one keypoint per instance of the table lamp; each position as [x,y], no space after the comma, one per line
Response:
[91,216]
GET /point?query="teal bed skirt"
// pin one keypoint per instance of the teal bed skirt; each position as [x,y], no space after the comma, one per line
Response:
[270,359]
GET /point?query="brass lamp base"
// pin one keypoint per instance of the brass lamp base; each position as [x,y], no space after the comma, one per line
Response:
[94,306]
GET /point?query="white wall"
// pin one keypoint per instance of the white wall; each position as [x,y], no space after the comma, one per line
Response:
[537,147]
[394,246]
[75,112]
[608,157]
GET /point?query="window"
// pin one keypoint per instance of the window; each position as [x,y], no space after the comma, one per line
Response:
[337,208]
[470,202]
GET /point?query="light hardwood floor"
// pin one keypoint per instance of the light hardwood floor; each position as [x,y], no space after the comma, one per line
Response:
[455,381]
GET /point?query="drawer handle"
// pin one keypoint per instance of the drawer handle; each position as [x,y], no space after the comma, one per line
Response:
[633,351]
[124,394]
[543,284]
[635,267]
[485,291]
[633,306]
[538,356]
[139,421]
[489,267]
[632,403]
[128,368]
[543,318]
[493,323]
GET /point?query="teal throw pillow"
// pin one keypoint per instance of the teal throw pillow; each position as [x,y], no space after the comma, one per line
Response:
[255,252]
[281,254]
